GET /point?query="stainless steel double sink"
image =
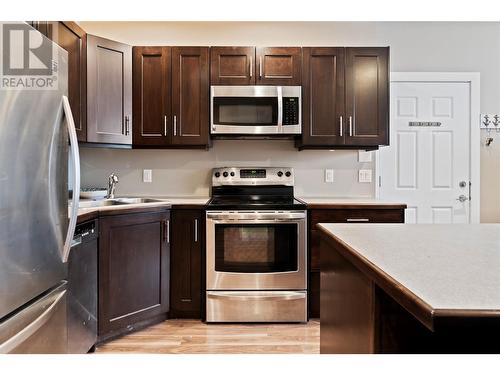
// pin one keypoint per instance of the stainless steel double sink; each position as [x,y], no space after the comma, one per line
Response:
[118,202]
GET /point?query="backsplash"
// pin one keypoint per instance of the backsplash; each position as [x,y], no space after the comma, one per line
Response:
[188,172]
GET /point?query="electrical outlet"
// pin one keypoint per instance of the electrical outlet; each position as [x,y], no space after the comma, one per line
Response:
[364,156]
[329,175]
[365,175]
[147,175]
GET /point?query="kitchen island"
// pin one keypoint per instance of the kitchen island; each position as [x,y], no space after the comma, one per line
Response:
[396,288]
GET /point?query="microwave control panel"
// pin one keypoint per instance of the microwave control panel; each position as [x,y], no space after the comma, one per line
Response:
[290,110]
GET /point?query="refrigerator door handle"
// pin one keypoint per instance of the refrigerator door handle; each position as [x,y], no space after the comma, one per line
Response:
[76,178]
[30,329]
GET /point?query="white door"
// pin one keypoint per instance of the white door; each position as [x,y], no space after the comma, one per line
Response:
[427,164]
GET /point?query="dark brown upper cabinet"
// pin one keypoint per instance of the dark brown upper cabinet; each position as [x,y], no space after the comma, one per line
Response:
[171,97]
[152,104]
[232,65]
[255,66]
[279,66]
[345,97]
[367,96]
[109,91]
[190,92]
[72,38]
[323,99]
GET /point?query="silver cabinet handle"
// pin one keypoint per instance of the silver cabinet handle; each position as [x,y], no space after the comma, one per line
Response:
[360,220]
[350,126]
[165,125]
[175,125]
[341,126]
[127,131]
[166,231]
[75,155]
[195,230]
[251,67]
[260,66]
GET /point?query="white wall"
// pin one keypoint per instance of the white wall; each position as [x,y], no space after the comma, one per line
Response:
[415,46]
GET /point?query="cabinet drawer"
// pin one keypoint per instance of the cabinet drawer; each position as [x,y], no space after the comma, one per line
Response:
[357,216]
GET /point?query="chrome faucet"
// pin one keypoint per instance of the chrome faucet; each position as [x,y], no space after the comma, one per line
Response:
[112,181]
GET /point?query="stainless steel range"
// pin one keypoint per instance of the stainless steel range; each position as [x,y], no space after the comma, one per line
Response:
[256,247]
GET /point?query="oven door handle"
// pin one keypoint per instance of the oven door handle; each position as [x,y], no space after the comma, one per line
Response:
[257,216]
[242,296]
[259,221]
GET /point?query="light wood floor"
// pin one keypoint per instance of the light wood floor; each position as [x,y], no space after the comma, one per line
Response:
[192,336]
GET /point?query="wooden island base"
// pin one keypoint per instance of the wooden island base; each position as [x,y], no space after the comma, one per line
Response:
[362,312]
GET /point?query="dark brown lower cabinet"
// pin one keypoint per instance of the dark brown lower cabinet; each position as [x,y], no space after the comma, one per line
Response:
[134,267]
[388,214]
[187,273]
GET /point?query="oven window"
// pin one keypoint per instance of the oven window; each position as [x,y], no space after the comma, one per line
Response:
[256,248]
[245,111]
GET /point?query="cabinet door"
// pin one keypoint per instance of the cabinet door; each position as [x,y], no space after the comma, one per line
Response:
[232,65]
[367,96]
[134,268]
[186,270]
[74,40]
[151,96]
[323,96]
[190,103]
[109,91]
[279,65]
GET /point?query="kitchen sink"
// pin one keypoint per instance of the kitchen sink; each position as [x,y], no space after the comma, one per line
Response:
[117,202]
[138,200]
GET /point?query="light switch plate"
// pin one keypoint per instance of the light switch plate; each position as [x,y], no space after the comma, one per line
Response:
[147,175]
[364,156]
[365,175]
[329,175]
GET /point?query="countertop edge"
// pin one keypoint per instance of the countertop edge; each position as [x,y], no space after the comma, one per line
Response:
[402,295]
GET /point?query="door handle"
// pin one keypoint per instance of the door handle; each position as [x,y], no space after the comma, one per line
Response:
[75,156]
[350,126]
[31,328]
[175,125]
[462,198]
[195,230]
[165,125]
[341,126]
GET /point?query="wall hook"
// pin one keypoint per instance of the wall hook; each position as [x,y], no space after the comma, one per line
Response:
[488,142]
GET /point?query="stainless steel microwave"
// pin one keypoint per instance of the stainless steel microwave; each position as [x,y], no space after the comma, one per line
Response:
[255,110]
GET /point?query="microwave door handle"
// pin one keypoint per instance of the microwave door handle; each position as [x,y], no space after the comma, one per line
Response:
[280,109]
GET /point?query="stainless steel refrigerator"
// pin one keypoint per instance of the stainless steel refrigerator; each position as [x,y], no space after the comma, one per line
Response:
[36,227]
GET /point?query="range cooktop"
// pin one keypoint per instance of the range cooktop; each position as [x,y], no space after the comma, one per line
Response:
[262,188]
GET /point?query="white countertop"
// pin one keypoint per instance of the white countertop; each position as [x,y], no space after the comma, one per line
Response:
[447,266]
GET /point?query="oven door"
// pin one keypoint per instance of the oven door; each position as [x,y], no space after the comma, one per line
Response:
[246,109]
[249,250]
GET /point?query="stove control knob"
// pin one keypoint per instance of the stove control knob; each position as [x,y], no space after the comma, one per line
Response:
[225,174]
[217,174]
[232,174]
[280,174]
[288,173]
